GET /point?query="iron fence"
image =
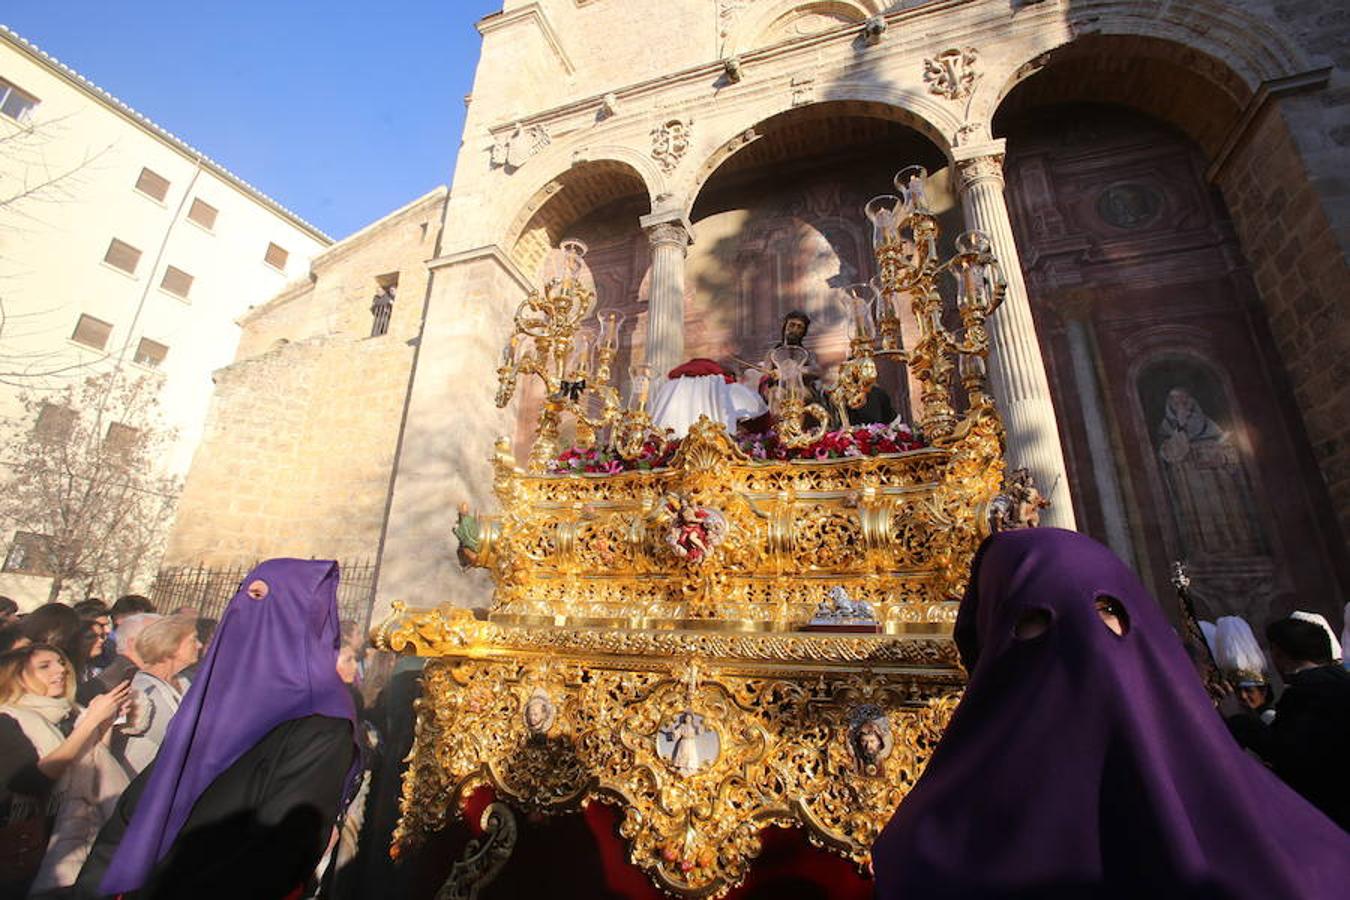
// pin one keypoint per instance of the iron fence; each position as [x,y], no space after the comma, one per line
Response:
[208,590]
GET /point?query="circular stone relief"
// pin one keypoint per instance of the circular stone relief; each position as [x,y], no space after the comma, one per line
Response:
[1129,205]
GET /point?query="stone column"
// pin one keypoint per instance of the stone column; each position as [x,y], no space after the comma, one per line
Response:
[670,241]
[1016,368]
[1074,311]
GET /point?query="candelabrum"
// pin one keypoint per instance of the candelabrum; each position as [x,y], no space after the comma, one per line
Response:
[858,373]
[789,400]
[574,361]
[633,428]
[905,240]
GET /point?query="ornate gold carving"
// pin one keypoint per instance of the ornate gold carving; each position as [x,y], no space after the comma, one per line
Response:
[643,645]
[896,531]
[483,857]
[781,751]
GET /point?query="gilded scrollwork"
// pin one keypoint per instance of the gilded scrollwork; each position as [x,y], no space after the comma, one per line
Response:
[644,646]
[719,536]
[761,748]
[483,857]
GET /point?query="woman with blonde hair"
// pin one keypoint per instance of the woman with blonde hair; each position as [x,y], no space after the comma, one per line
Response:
[57,770]
[166,647]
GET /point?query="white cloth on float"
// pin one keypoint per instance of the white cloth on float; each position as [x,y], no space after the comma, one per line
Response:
[677,403]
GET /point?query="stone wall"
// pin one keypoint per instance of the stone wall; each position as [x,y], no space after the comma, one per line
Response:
[566,88]
[304,425]
[1302,276]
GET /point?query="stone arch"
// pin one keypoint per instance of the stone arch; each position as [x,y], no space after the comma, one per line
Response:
[773,24]
[1219,44]
[908,107]
[1224,77]
[569,195]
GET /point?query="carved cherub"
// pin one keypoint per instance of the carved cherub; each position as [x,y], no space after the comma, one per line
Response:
[1020,503]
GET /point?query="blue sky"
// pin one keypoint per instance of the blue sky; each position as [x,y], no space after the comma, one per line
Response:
[341,111]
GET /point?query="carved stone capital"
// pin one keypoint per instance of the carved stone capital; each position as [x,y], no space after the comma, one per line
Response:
[669,233]
[987,169]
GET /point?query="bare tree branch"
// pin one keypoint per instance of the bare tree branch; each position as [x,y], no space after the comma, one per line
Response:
[102,505]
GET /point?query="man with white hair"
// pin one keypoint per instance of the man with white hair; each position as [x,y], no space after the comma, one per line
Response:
[127,663]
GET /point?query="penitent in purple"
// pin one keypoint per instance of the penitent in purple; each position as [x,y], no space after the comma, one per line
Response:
[1085,763]
[273,659]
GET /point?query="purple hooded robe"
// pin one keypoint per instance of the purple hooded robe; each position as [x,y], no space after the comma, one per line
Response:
[1081,763]
[271,660]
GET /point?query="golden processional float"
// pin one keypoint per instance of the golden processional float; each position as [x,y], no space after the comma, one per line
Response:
[711,641]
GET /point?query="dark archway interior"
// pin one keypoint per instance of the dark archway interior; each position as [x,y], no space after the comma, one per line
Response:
[1164,80]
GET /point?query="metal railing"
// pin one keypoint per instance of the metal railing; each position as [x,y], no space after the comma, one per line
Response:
[208,590]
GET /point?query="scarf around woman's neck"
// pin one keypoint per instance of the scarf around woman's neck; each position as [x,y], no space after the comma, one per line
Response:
[40,718]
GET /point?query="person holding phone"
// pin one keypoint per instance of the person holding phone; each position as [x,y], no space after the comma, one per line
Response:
[58,781]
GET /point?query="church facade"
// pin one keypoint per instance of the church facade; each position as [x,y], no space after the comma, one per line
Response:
[1162,182]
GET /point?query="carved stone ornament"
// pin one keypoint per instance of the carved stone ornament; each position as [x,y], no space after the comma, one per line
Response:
[670,142]
[951,73]
[873,29]
[731,67]
[971,172]
[609,105]
[513,150]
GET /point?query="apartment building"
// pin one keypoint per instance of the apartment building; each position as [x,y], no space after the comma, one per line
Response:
[123,247]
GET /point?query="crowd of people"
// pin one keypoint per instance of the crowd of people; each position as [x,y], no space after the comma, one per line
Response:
[155,755]
[93,697]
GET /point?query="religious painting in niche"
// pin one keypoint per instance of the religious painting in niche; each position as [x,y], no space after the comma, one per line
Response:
[1129,205]
[770,247]
[1201,461]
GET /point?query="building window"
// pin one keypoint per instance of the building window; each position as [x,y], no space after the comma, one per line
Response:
[152,184]
[276,256]
[150,353]
[382,305]
[29,553]
[92,332]
[121,438]
[204,214]
[14,103]
[54,423]
[122,255]
[176,281]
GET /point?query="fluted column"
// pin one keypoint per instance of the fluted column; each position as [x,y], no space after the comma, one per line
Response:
[1074,311]
[670,241]
[1016,367]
